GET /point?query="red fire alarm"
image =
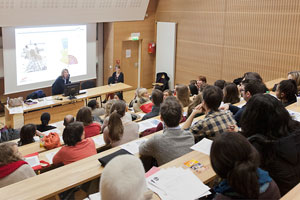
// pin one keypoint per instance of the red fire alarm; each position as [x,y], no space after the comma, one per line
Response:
[151,48]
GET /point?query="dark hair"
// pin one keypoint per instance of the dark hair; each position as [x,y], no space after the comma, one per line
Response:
[68,119]
[171,112]
[289,88]
[72,133]
[27,133]
[253,86]
[265,115]
[183,94]
[84,115]
[92,104]
[193,82]
[202,78]
[220,83]
[193,89]
[45,118]
[157,97]
[253,76]
[231,94]
[115,125]
[120,95]
[212,96]
[233,158]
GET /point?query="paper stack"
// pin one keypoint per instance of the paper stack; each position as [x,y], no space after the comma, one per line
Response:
[177,184]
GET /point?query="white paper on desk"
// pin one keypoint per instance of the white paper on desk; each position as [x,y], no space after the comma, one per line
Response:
[241,105]
[36,138]
[95,196]
[149,123]
[50,156]
[176,184]
[33,161]
[16,110]
[142,115]
[203,146]
[99,140]
[295,115]
[133,147]
[55,130]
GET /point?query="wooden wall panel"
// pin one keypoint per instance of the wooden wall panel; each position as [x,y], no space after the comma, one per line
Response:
[224,39]
[108,50]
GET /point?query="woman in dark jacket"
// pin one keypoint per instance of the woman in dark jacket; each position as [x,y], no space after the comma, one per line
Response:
[276,136]
[59,85]
[117,77]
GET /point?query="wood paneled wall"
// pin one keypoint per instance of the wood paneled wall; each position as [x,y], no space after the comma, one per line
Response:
[223,39]
[117,32]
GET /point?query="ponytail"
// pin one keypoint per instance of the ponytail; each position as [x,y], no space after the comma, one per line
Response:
[115,127]
[243,178]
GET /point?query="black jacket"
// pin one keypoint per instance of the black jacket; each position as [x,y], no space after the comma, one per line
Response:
[120,78]
[59,85]
[281,158]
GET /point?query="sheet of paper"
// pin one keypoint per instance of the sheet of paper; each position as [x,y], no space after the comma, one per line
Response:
[16,110]
[52,131]
[295,115]
[50,156]
[133,147]
[33,161]
[203,146]
[149,123]
[99,140]
[95,196]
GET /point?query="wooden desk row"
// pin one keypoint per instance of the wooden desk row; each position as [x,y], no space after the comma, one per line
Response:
[56,107]
[293,194]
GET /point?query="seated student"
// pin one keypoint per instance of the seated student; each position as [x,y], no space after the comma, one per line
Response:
[193,87]
[276,136]
[215,121]
[236,162]
[118,96]
[96,110]
[295,75]
[68,119]
[142,102]
[76,147]
[157,98]
[123,178]
[120,129]
[255,76]
[174,142]
[248,88]
[183,94]
[167,93]
[90,128]
[201,83]
[220,84]
[27,133]
[231,94]
[287,92]
[197,101]
[45,118]
[12,166]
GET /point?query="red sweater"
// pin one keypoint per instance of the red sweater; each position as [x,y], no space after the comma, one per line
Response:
[69,154]
[92,130]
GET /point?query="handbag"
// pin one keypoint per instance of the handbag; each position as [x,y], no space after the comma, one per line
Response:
[15,102]
[51,141]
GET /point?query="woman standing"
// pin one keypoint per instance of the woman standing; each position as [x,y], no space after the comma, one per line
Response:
[59,85]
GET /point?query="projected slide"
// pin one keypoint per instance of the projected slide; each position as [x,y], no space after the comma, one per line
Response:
[42,53]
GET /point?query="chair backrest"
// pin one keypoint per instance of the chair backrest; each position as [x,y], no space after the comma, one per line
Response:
[162,77]
[87,85]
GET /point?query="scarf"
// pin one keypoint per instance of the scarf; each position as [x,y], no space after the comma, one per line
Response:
[10,168]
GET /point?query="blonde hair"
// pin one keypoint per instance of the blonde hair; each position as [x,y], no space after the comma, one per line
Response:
[8,154]
[296,76]
[141,92]
[198,100]
[183,94]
